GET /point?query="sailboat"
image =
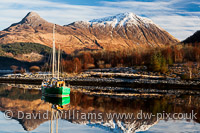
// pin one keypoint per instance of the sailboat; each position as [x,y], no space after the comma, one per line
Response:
[55,86]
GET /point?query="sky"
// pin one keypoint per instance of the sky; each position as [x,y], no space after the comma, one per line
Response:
[181,18]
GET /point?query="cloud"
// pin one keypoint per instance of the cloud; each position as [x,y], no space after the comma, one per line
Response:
[172,15]
[179,26]
[153,6]
[52,11]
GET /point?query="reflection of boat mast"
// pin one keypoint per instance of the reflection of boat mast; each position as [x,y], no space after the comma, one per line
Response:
[52,118]
[55,110]
[52,112]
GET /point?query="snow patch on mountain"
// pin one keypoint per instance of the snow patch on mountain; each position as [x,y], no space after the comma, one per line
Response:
[123,19]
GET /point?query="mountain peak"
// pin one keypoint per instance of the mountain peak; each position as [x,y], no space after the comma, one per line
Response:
[31,14]
[126,14]
[30,18]
[122,19]
[31,21]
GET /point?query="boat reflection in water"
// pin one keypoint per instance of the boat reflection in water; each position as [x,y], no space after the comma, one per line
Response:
[58,101]
[56,108]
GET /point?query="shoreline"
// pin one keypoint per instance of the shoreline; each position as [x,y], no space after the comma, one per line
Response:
[116,82]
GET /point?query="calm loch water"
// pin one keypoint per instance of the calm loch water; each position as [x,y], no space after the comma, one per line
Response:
[23,110]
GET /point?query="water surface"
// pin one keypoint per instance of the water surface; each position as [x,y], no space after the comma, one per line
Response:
[29,102]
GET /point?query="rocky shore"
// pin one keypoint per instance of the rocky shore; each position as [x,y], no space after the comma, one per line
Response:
[116,77]
[116,82]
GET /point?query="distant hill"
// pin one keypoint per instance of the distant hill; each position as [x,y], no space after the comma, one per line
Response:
[195,38]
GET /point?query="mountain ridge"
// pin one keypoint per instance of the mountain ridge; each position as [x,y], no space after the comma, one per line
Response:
[122,31]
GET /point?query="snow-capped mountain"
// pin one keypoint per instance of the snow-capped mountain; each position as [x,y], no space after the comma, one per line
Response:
[125,30]
[122,31]
[123,19]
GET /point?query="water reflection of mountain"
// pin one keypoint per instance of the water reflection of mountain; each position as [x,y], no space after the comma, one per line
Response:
[29,102]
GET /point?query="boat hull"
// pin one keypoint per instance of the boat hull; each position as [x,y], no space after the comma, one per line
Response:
[56,91]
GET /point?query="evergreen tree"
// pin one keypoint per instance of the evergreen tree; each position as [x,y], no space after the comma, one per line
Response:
[158,63]
[164,66]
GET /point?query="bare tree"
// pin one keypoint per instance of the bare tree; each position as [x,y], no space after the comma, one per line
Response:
[14,68]
[189,65]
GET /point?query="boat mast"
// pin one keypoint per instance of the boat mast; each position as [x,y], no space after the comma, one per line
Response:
[53,66]
[58,60]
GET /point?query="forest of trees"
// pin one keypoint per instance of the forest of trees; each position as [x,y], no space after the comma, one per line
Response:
[156,59]
[24,48]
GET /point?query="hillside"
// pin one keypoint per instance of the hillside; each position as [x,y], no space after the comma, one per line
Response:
[23,54]
[121,31]
[25,48]
[195,38]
